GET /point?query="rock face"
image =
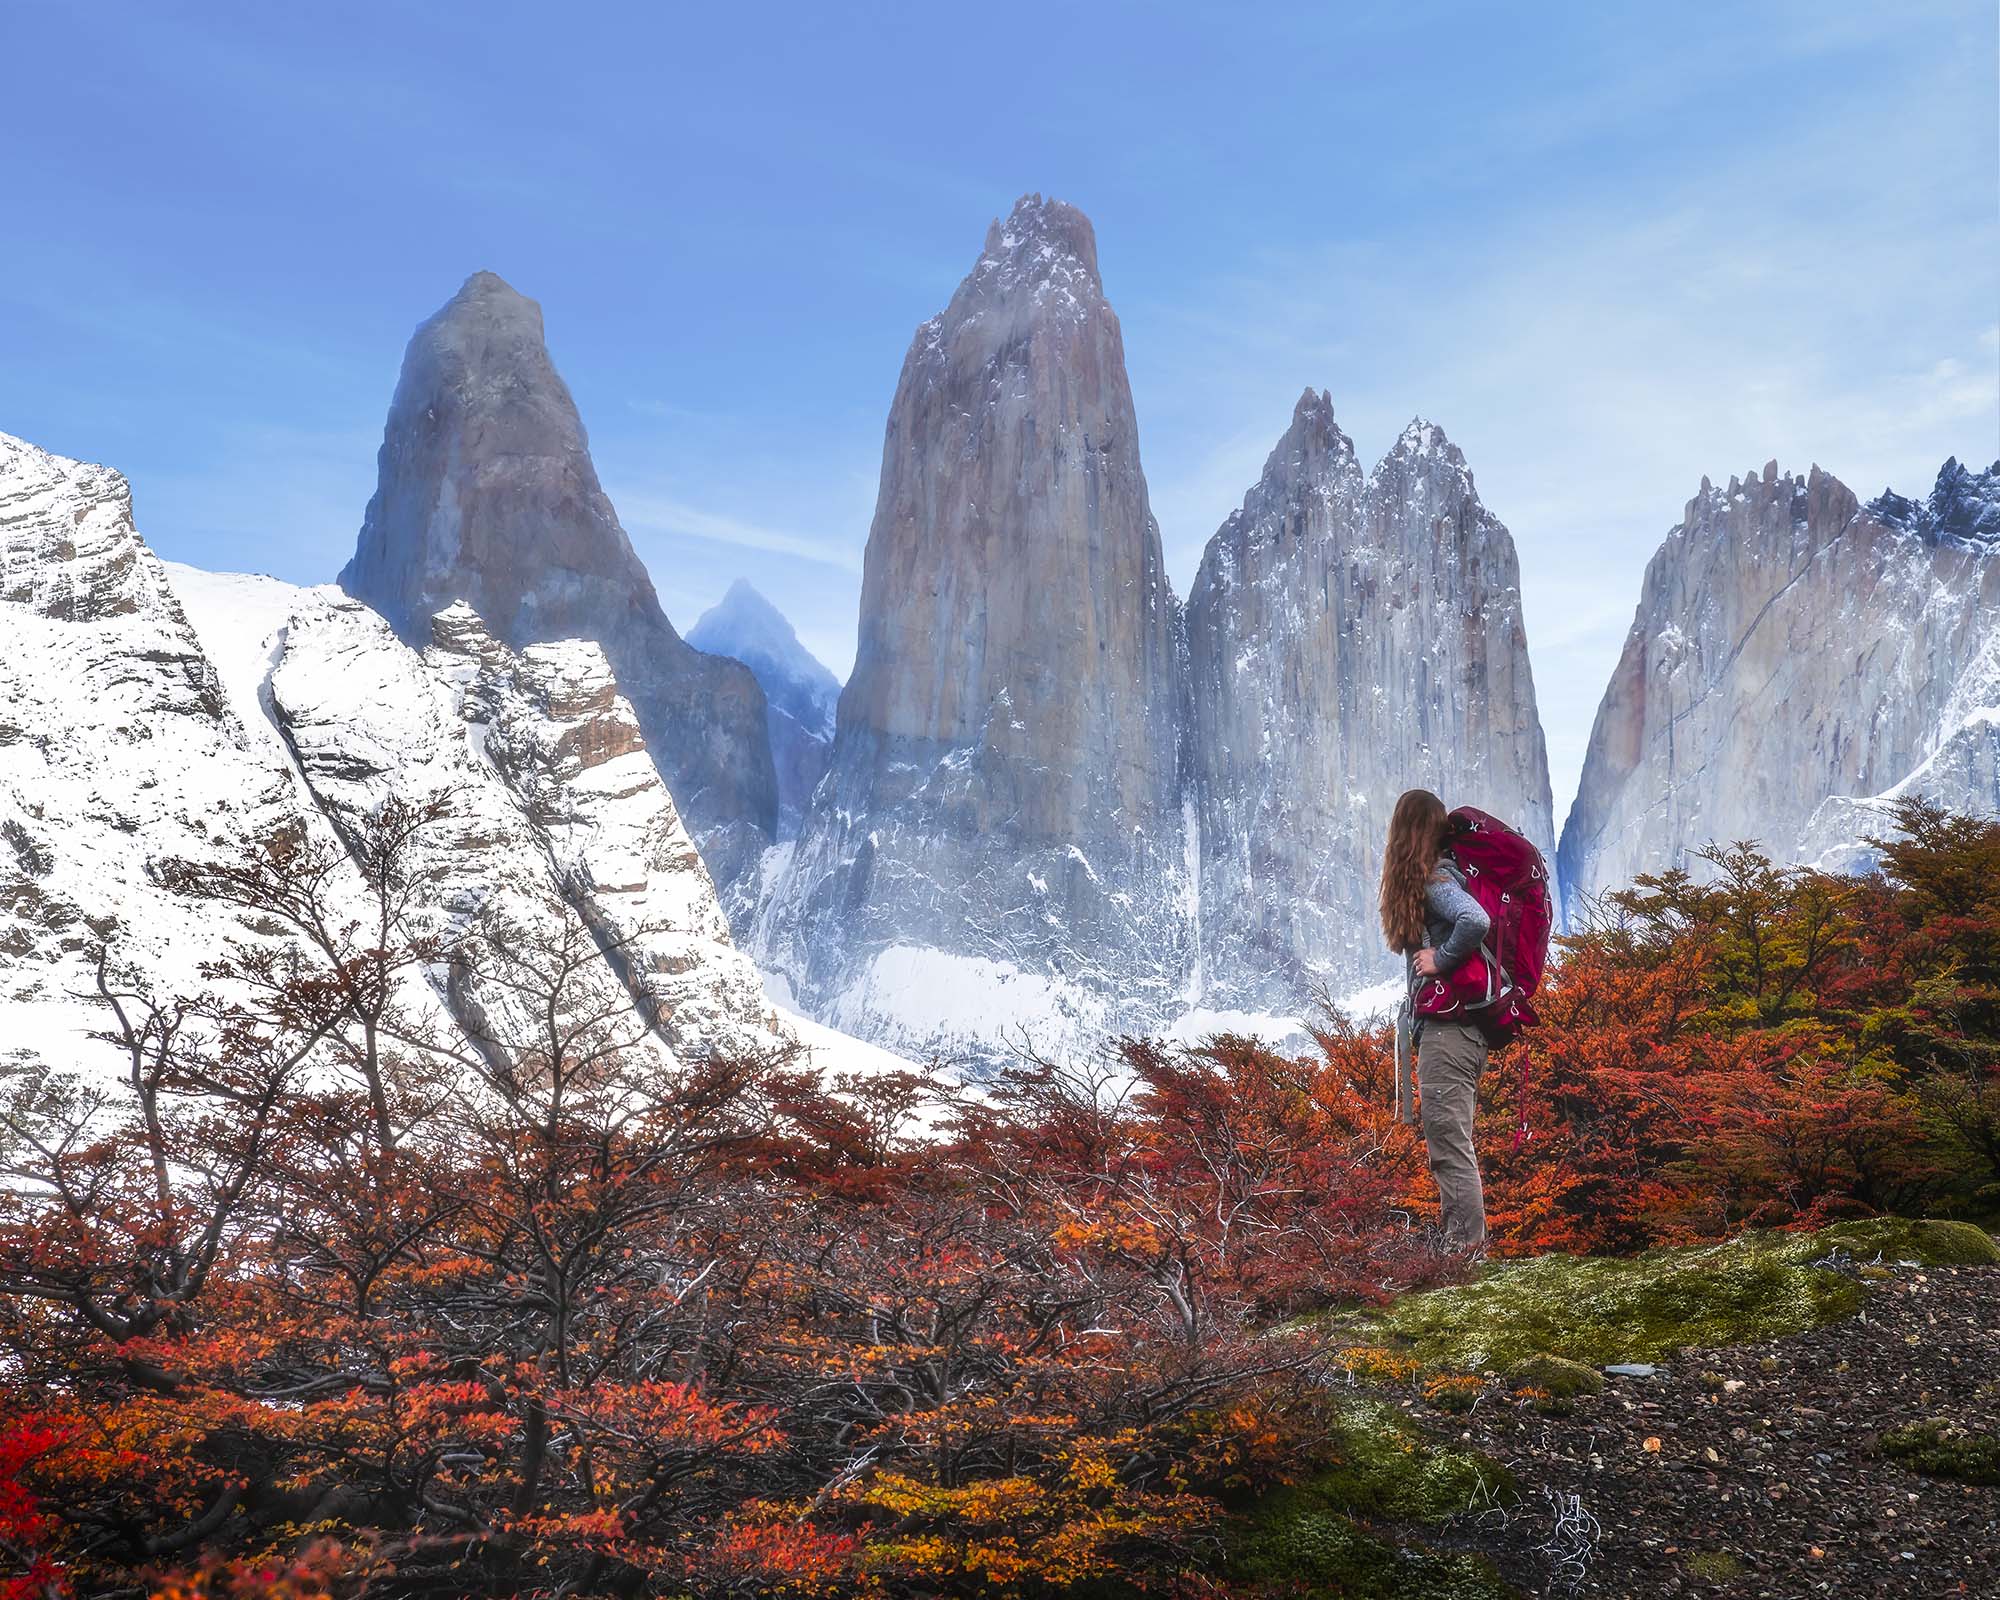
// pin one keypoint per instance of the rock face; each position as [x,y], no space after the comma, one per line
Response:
[486,494]
[800,695]
[1002,820]
[1797,661]
[1349,636]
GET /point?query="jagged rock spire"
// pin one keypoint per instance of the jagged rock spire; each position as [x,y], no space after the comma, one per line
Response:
[1349,637]
[1005,782]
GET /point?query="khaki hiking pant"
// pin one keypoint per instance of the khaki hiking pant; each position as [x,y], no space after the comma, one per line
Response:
[1450,1057]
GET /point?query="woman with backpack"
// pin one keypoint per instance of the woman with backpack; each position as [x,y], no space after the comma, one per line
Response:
[1432,920]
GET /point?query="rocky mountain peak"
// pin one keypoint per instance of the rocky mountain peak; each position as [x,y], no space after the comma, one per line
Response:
[1004,794]
[1963,505]
[1347,637]
[1039,267]
[486,495]
[1039,237]
[1421,457]
[486,491]
[1313,428]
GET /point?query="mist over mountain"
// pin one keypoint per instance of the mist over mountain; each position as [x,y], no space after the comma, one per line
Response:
[801,695]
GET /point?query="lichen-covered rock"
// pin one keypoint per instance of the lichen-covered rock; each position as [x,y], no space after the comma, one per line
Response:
[1798,661]
[1350,635]
[1596,1310]
[999,844]
[1928,1241]
[486,494]
[1555,1375]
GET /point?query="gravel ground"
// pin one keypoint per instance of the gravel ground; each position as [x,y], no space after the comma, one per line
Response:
[1755,1470]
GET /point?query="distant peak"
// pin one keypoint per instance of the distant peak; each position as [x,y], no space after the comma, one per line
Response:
[488,296]
[1314,405]
[1964,506]
[1038,234]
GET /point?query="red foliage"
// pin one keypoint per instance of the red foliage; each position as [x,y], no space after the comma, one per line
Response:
[279,1316]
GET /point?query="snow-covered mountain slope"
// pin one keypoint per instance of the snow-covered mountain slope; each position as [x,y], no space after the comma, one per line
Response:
[1798,660]
[119,747]
[155,711]
[800,694]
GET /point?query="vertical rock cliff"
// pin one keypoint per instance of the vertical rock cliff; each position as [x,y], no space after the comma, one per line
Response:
[999,842]
[1794,656]
[486,494]
[1349,636]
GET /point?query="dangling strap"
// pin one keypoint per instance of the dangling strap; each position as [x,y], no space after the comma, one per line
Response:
[1522,1132]
[1405,1097]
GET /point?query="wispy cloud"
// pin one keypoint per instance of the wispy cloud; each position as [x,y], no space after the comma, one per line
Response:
[658,514]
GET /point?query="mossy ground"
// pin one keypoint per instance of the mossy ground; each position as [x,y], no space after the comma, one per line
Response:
[1305,1539]
[1596,1310]
[1548,1324]
[1322,1555]
[1381,1465]
[1939,1449]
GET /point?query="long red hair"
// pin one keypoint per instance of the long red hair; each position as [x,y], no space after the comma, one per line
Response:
[1418,829]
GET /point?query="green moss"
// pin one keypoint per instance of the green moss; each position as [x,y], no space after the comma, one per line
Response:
[1554,1383]
[1938,1448]
[1320,1555]
[1714,1566]
[1380,1464]
[1555,1376]
[1596,1310]
[1930,1241]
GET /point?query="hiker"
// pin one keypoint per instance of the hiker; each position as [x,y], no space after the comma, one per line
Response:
[1431,919]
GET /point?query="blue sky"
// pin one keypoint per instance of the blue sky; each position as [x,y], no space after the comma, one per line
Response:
[1607,248]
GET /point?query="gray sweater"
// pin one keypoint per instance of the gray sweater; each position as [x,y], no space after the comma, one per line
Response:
[1455,922]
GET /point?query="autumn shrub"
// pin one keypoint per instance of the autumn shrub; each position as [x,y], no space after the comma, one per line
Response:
[323,1297]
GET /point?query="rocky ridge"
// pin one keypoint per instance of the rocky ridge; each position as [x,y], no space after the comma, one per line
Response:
[1797,661]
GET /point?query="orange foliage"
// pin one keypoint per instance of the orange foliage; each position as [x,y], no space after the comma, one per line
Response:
[315,1304]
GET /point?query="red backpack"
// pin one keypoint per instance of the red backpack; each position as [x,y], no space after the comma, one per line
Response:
[1495,987]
